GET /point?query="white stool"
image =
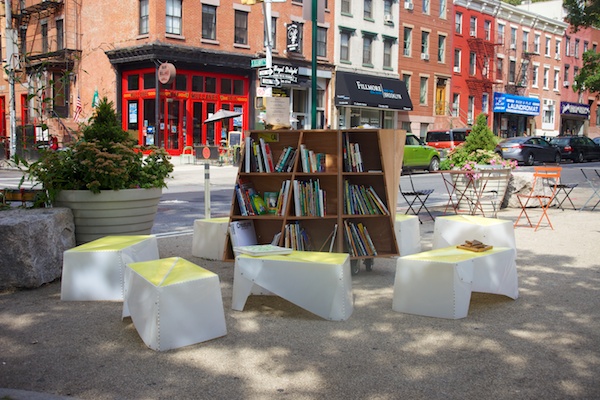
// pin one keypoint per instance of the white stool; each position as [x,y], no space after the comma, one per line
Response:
[174,303]
[438,283]
[94,270]
[453,230]
[408,234]
[209,238]
[318,282]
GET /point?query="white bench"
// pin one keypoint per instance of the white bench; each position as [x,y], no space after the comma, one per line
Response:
[318,282]
[408,234]
[94,270]
[456,229]
[174,303]
[209,238]
[438,283]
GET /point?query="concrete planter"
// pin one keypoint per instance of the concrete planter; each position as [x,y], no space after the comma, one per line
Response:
[111,212]
[487,203]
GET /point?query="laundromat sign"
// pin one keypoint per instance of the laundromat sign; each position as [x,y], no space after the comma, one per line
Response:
[508,103]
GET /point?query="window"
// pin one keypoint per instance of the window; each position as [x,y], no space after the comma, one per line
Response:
[387,8]
[487,29]
[473,26]
[567,46]
[443,9]
[586,45]
[470,110]
[485,70]
[536,44]
[367,49]
[523,77]
[455,104]
[598,115]
[513,38]
[501,33]
[407,41]
[512,70]
[535,75]
[499,68]
[425,43]
[566,73]
[441,48]
[241,27]
[426,6]
[576,49]
[60,34]
[547,48]
[174,17]
[387,53]
[556,77]
[546,77]
[133,82]
[457,54]
[548,113]
[368,9]
[525,41]
[209,22]
[274,35]
[44,28]
[472,63]
[345,45]
[423,90]
[143,17]
[406,80]
[485,103]
[458,23]
[575,72]
[321,42]
[346,6]
[557,48]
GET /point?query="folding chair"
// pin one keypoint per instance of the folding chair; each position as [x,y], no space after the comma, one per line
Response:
[594,182]
[419,196]
[543,189]
[565,189]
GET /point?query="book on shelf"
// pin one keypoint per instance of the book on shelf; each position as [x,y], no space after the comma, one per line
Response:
[296,237]
[359,199]
[266,156]
[242,233]
[284,195]
[262,250]
[358,239]
[309,198]
[352,156]
[330,239]
[249,200]
[271,200]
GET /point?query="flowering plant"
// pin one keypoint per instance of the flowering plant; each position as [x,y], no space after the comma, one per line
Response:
[106,158]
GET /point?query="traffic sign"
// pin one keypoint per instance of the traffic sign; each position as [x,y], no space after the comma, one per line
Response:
[259,62]
[265,81]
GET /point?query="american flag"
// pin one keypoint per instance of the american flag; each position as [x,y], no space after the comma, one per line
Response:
[77,113]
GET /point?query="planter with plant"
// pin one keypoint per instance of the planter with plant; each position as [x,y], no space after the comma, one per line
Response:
[476,153]
[104,166]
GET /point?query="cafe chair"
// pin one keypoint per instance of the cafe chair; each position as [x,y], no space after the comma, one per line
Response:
[564,191]
[543,190]
[416,198]
[594,182]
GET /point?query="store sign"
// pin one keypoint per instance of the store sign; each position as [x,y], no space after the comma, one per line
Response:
[576,109]
[371,91]
[508,103]
[278,75]
[294,37]
[166,73]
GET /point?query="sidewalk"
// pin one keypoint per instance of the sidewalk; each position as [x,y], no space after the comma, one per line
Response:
[545,344]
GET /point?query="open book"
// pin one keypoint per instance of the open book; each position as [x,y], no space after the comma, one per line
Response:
[262,250]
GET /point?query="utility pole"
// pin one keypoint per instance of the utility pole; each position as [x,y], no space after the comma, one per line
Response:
[12,62]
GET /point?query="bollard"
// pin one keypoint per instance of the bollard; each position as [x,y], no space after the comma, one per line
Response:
[207,190]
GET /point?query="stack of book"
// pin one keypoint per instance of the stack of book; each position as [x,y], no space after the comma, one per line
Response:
[258,157]
[358,239]
[311,161]
[352,157]
[309,198]
[285,163]
[295,237]
[359,199]
[249,200]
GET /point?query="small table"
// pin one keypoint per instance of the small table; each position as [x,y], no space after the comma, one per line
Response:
[456,229]
[438,283]
[318,282]
[592,176]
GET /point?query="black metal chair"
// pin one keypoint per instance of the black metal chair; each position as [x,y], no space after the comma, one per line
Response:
[416,198]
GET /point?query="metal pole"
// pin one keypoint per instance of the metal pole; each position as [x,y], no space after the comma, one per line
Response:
[10,69]
[207,190]
[313,114]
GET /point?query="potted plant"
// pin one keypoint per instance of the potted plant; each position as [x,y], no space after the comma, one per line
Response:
[475,154]
[112,187]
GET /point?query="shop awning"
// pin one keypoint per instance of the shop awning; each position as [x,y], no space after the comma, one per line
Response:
[371,91]
[510,103]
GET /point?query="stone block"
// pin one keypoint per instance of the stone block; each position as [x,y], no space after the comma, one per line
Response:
[33,243]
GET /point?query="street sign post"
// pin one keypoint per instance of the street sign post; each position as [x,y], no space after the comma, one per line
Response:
[257,63]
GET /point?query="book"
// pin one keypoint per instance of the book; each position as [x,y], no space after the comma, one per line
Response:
[271,200]
[262,250]
[242,233]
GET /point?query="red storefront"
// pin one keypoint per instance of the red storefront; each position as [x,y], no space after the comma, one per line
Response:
[174,117]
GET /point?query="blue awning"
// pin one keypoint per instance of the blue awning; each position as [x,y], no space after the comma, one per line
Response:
[510,103]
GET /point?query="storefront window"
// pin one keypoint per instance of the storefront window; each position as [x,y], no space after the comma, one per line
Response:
[211,85]
[197,83]
[150,81]
[238,87]
[133,82]
[181,82]
[226,86]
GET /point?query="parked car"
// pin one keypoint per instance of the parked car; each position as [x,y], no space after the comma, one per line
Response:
[577,148]
[418,155]
[527,150]
[446,139]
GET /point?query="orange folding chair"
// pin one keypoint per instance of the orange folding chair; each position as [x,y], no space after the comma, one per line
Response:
[545,184]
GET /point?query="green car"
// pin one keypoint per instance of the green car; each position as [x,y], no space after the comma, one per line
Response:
[417,155]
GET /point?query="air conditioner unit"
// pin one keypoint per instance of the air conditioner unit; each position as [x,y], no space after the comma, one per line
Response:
[513,46]
[456,69]
[469,121]
[408,5]
[388,19]
[425,56]
[407,52]
[473,33]
[557,57]
[566,83]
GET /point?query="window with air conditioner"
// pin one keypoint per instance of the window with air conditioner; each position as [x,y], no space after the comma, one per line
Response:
[456,69]
[473,33]
[425,56]
[388,19]
[566,83]
[408,5]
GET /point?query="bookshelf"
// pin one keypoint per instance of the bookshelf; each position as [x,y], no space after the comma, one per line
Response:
[323,205]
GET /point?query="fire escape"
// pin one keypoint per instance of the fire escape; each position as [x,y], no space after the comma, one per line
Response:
[481,80]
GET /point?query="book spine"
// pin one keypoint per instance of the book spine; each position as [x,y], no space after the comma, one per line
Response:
[373,249]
